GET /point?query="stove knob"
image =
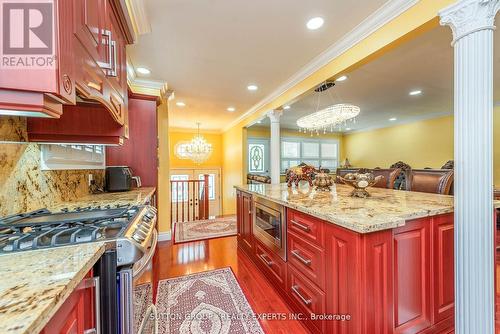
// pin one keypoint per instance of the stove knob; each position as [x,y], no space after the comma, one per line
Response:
[149,215]
[137,237]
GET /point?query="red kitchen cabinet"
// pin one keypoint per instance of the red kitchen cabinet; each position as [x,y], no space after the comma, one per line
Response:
[78,313]
[245,228]
[90,65]
[393,281]
[140,151]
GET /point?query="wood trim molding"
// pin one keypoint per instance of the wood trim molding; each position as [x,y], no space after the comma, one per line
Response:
[377,19]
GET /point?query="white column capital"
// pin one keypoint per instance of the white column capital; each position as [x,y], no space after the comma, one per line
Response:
[274,115]
[468,16]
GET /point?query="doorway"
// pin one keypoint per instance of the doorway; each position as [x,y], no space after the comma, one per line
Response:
[214,185]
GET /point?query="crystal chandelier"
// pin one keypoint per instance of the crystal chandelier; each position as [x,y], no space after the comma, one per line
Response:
[328,118]
[198,150]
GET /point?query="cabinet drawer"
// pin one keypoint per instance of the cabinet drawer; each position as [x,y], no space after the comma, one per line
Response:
[307,227]
[307,258]
[273,266]
[307,297]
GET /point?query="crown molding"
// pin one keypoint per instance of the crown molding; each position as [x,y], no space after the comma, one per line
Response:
[143,86]
[136,17]
[377,19]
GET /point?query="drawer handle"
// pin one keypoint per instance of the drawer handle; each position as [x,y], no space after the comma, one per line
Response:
[269,263]
[295,289]
[302,259]
[301,226]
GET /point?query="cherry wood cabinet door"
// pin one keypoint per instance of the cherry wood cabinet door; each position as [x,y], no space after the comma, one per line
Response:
[239,217]
[443,271]
[247,222]
[412,276]
[76,315]
[343,270]
[91,30]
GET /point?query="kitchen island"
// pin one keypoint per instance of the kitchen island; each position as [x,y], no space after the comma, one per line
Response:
[35,284]
[382,264]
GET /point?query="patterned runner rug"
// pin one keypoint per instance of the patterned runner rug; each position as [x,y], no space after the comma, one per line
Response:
[143,298]
[204,229]
[208,302]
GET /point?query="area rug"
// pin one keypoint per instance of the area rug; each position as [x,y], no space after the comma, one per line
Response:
[143,298]
[204,229]
[208,302]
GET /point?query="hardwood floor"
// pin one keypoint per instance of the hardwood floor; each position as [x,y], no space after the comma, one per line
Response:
[193,257]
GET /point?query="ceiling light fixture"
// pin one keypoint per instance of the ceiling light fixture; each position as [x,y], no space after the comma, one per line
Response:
[392,119]
[328,118]
[252,87]
[286,107]
[180,104]
[231,109]
[198,149]
[143,70]
[315,23]
[342,78]
[415,92]
[348,129]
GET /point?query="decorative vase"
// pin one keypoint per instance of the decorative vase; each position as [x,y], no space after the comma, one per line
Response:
[322,181]
[360,181]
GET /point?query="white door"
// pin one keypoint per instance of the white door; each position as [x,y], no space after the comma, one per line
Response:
[182,195]
[214,192]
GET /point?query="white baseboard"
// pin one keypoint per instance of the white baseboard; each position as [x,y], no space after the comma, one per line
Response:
[165,236]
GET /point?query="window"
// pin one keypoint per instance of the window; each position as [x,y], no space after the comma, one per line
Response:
[179,189]
[67,157]
[315,152]
[258,156]
[211,185]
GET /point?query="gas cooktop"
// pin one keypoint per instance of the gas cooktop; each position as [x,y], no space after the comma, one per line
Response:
[44,229]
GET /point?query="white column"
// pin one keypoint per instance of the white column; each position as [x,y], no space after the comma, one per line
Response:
[472,24]
[274,116]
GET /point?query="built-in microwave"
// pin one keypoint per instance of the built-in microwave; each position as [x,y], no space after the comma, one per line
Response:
[269,225]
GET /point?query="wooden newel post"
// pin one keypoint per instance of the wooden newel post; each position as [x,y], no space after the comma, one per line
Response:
[205,196]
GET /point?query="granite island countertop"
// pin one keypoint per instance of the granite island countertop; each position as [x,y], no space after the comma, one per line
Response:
[34,284]
[136,196]
[385,209]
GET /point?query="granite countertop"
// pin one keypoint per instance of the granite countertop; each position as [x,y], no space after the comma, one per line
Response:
[136,196]
[34,284]
[385,209]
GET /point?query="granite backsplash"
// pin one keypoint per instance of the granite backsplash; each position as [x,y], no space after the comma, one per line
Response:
[23,186]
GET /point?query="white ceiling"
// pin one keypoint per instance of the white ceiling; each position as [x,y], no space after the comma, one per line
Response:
[210,50]
[380,88]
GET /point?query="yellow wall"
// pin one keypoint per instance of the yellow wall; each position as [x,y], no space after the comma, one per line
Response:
[420,144]
[233,165]
[215,160]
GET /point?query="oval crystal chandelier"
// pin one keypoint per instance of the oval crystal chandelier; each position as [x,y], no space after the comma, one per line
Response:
[328,118]
[198,149]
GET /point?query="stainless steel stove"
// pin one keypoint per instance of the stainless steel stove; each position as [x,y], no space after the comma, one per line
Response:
[130,227]
[130,236]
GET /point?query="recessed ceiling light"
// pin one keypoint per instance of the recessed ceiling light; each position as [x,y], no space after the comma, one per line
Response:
[231,109]
[342,78]
[415,92]
[180,104]
[315,23]
[252,87]
[286,107]
[392,119]
[259,121]
[348,129]
[143,70]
